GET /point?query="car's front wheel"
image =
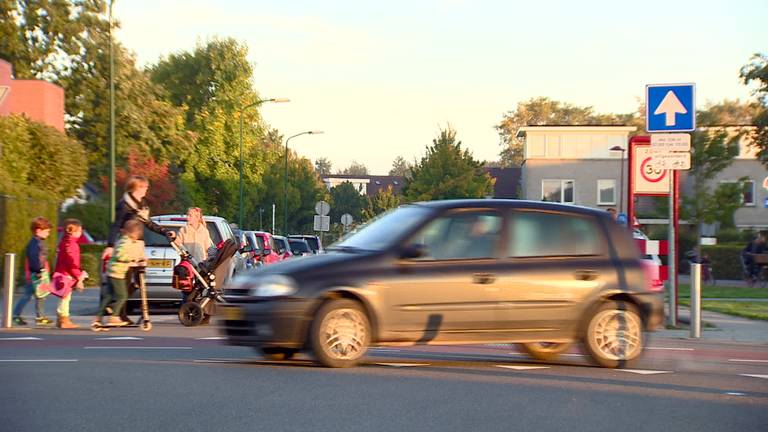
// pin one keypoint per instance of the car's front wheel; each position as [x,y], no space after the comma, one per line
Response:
[614,334]
[546,351]
[340,333]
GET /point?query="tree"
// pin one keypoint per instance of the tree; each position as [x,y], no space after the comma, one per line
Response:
[304,190]
[713,150]
[384,200]
[727,113]
[346,199]
[400,167]
[355,169]
[212,84]
[447,172]
[545,111]
[323,166]
[756,71]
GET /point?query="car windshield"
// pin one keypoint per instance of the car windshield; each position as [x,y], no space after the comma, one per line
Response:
[385,230]
[299,246]
[152,238]
[313,243]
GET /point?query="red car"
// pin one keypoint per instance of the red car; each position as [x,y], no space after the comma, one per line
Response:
[265,250]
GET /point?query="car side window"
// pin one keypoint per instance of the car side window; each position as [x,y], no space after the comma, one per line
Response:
[539,233]
[463,235]
[214,232]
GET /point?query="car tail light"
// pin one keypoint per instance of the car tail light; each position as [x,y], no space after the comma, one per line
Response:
[651,273]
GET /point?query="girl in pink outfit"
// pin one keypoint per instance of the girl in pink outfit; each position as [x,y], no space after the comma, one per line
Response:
[68,274]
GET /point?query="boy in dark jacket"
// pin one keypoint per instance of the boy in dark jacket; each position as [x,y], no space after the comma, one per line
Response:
[37,273]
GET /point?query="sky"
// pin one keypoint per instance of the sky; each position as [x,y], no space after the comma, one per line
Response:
[381,79]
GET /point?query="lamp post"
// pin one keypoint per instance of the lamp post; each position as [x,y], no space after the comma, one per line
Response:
[242,110]
[621,179]
[285,180]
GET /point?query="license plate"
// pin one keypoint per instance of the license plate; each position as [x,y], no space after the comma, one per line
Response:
[233,313]
[160,263]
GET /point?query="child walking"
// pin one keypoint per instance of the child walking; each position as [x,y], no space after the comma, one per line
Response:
[37,273]
[68,273]
[128,252]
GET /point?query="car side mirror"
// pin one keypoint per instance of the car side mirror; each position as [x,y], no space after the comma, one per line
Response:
[416,250]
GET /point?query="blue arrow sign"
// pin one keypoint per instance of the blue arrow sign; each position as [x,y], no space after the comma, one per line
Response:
[670,107]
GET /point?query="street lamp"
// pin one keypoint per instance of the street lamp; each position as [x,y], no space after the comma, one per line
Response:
[285,180]
[621,177]
[257,103]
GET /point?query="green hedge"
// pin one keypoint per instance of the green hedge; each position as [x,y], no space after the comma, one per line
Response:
[725,259]
[18,206]
[90,261]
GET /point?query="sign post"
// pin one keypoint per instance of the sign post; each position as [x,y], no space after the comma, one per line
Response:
[322,221]
[671,108]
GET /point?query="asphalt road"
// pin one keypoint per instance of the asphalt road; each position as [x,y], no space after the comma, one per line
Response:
[185,379]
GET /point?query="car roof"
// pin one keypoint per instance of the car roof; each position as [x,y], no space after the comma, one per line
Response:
[509,203]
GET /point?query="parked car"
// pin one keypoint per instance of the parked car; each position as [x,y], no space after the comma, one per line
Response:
[283,247]
[543,275]
[267,247]
[161,258]
[652,262]
[299,247]
[314,242]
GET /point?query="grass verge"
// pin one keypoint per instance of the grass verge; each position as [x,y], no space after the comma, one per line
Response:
[708,291]
[752,310]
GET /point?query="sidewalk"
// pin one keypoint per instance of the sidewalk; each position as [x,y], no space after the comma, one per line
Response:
[727,328]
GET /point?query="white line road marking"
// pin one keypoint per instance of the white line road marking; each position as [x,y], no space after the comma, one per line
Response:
[735,394]
[212,338]
[522,367]
[38,360]
[220,361]
[755,376]
[20,338]
[748,361]
[120,338]
[403,364]
[670,349]
[136,347]
[644,372]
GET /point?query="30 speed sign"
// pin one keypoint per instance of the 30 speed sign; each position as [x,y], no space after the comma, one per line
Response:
[648,178]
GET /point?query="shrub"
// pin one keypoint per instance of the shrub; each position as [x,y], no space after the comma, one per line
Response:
[726,261]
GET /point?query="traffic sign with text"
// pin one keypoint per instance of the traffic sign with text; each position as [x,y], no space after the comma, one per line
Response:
[664,143]
[672,161]
[670,107]
[647,177]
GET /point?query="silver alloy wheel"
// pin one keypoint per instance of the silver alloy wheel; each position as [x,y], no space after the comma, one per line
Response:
[617,334]
[343,332]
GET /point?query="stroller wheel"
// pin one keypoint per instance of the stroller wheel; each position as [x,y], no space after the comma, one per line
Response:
[190,314]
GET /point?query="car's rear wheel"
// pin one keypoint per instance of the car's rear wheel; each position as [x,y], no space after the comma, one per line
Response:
[546,351]
[614,335]
[276,354]
[340,333]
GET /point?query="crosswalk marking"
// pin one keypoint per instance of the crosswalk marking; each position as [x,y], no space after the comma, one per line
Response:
[403,364]
[522,367]
[755,376]
[120,338]
[20,338]
[37,360]
[670,349]
[644,372]
[137,347]
[212,338]
[747,361]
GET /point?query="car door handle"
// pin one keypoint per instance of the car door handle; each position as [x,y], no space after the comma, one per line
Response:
[483,278]
[585,275]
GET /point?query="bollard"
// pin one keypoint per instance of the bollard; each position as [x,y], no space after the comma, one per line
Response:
[8,285]
[695,300]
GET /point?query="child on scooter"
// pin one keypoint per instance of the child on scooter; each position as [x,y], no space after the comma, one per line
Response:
[128,252]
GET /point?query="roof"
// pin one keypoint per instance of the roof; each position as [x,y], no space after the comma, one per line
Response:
[375,183]
[511,203]
[575,128]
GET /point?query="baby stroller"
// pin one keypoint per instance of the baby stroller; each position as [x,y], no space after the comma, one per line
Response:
[198,282]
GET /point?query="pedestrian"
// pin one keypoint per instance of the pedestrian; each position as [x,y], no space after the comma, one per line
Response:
[68,274]
[37,273]
[132,206]
[754,247]
[127,253]
[194,236]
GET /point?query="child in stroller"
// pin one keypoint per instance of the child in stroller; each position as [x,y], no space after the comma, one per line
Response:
[199,283]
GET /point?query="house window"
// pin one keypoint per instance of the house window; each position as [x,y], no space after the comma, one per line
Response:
[557,191]
[606,192]
[748,194]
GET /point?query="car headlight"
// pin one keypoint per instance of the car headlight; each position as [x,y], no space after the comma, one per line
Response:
[274,286]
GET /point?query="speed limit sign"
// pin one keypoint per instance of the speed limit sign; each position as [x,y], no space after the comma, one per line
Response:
[647,177]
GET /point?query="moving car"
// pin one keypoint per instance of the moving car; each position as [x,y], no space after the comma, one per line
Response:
[543,275]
